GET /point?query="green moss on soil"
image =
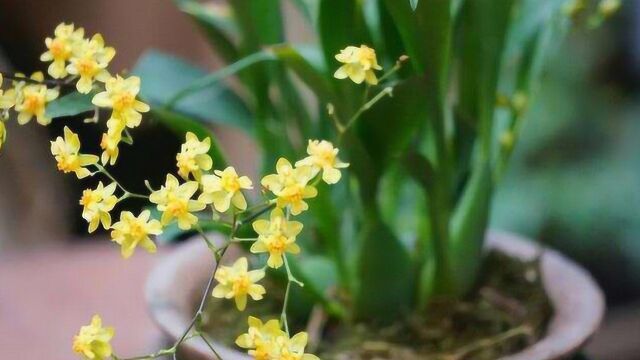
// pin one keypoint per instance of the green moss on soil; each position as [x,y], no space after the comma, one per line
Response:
[507,312]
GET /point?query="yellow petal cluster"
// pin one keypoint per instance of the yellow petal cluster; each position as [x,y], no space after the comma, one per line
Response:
[31,99]
[132,231]
[276,236]
[67,153]
[93,342]
[291,186]
[193,157]
[237,282]
[97,204]
[359,64]
[3,134]
[174,201]
[61,48]
[266,341]
[323,157]
[119,95]
[89,62]
[223,188]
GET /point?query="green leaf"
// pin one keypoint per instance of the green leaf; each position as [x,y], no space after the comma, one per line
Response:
[483,28]
[182,124]
[218,26]
[164,75]
[414,4]
[385,273]
[70,105]
[468,227]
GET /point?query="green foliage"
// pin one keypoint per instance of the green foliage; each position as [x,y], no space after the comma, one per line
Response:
[70,105]
[437,134]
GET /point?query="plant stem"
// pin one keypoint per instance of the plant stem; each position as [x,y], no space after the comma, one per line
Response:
[127,193]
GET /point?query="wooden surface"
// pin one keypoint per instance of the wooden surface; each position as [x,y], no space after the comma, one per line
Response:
[47,294]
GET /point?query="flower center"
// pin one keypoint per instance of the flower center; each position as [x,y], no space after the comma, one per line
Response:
[59,49]
[86,67]
[177,207]
[278,244]
[33,102]
[123,100]
[241,285]
[230,183]
[137,230]
[68,163]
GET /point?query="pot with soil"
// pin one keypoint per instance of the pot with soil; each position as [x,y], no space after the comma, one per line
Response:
[531,303]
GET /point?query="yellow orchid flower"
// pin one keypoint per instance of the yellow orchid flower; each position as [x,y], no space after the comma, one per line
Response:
[109,145]
[359,64]
[193,157]
[120,95]
[293,348]
[174,200]
[93,341]
[97,205]
[323,157]
[60,48]
[67,153]
[90,63]
[291,186]
[276,237]
[132,231]
[31,99]
[225,188]
[237,282]
[259,333]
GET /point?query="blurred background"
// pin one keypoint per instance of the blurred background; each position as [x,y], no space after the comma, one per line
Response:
[574,183]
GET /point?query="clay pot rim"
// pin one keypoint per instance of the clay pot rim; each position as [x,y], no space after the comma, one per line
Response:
[578,302]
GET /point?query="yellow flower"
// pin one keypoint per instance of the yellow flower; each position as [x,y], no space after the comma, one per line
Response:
[3,133]
[120,95]
[66,151]
[93,340]
[90,62]
[268,341]
[276,237]
[359,64]
[608,7]
[174,200]
[323,156]
[224,188]
[193,157]
[259,333]
[290,185]
[60,48]
[31,100]
[236,282]
[132,231]
[293,349]
[97,205]
[109,145]
[7,100]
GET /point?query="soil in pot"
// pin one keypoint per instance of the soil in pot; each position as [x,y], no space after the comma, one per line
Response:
[507,312]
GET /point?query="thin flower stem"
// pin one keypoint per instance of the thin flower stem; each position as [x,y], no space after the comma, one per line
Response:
[32,81]
[127,193]
[290,279]
[235,239]
[213,350]
[388,91]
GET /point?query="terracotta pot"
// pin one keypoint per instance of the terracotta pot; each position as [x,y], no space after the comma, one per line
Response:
[178,281]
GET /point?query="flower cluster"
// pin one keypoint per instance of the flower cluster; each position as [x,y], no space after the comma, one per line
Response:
[199,192]
[268,341]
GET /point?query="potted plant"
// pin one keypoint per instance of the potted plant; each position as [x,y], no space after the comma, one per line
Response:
[368,227]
